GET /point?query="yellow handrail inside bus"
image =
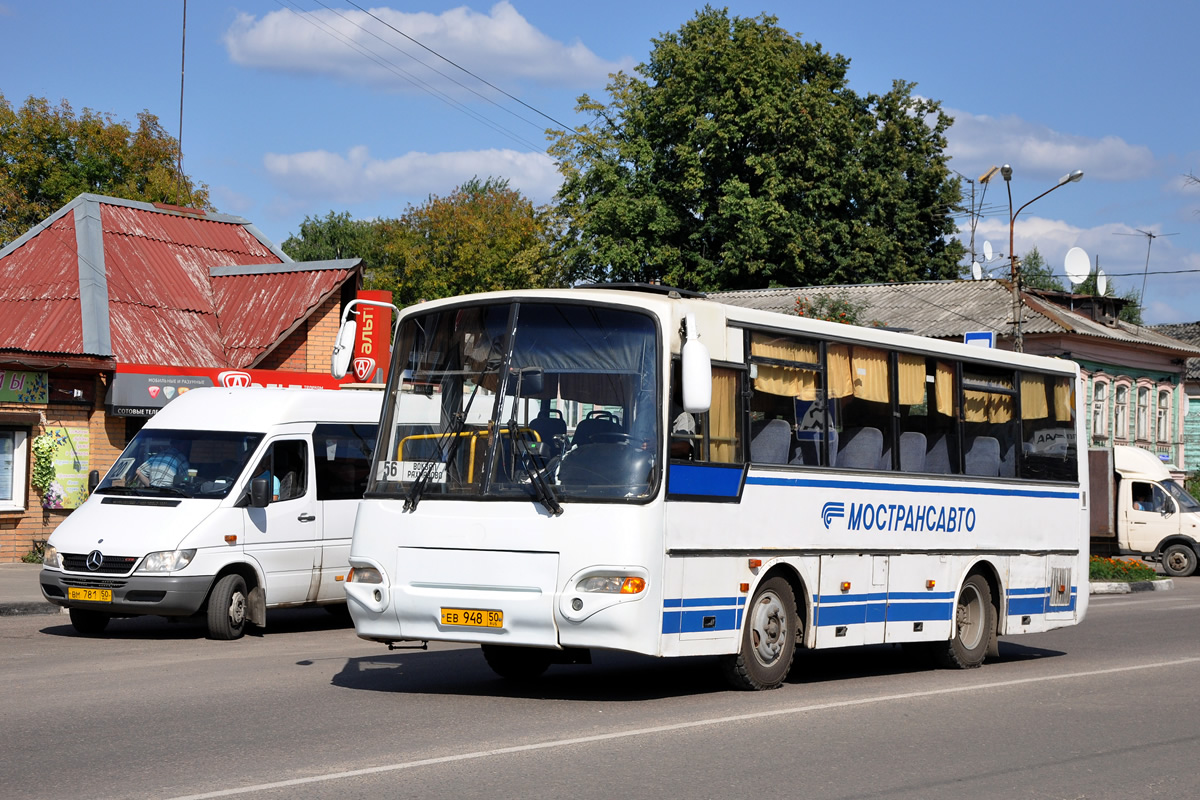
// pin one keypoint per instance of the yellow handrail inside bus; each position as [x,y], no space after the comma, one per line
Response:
[474,437]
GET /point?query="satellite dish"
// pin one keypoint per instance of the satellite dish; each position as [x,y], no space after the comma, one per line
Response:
[987,251]
[1101,282]
[976,271]
[1077,266]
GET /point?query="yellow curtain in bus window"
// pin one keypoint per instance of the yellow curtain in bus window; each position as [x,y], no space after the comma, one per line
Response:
[69,487]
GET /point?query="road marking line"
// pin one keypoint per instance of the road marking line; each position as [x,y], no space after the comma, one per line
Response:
[604,737]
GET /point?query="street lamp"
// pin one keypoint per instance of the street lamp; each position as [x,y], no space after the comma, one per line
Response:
[1006,173]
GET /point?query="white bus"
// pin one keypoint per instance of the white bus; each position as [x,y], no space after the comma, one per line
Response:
[647,470]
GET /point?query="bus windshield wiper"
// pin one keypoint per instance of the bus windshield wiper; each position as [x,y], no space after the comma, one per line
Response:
[448,443]
[524,453]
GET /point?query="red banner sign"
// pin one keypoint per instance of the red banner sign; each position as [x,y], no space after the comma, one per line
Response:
[373,346]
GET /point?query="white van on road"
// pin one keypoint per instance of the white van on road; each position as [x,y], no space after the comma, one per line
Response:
[228,502]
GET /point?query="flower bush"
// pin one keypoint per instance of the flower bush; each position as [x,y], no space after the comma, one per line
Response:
[44,473]
[1119,570]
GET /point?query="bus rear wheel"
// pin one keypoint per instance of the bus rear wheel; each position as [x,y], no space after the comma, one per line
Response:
[974,626]
[517,663]
[769,638]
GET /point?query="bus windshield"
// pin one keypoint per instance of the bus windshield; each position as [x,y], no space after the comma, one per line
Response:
[549,401]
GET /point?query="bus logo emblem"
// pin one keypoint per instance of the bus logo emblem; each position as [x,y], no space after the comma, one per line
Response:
[831,511]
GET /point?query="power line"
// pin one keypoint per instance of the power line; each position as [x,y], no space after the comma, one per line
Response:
[388,65]
[464,69]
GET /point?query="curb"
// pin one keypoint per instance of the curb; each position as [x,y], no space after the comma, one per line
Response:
[1100,587]
[25,608]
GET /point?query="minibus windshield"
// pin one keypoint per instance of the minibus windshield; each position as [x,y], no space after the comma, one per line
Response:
[180,463]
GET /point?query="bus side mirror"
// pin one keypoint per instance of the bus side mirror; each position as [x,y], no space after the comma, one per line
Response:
[93,480]
[343,350]
[260,493]
[697,371]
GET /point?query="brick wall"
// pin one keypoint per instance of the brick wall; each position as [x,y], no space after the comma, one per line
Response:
[322,333]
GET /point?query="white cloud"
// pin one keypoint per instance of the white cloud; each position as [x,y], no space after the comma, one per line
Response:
[977,141]
[350,45]
[356,177]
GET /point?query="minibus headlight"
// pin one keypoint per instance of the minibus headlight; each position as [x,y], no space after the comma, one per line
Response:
[51,558]
[167,560]
[613,584]
[364,575]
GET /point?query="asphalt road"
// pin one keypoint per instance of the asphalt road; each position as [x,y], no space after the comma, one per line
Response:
[307,710]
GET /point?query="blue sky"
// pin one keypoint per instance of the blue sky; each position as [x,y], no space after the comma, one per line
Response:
[284,120]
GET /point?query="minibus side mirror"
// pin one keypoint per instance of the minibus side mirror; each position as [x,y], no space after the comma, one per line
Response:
[260,493]
[93,480]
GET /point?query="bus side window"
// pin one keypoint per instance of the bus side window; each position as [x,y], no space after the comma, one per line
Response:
[859,387]
[716,435]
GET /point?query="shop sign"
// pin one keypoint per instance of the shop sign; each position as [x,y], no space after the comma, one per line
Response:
[17,386]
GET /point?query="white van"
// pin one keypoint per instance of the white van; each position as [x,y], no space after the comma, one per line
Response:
[228,502]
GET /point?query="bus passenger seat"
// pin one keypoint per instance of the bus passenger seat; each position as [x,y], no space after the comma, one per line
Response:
[937,458]
[772,444]
[912,451]
[1008,463]
[983,456]
[861,449]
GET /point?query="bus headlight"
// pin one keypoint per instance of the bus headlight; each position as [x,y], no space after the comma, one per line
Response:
[51,558]
[613,584]
[167,560]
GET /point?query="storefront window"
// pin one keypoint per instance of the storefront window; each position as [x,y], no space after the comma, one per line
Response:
[13,464]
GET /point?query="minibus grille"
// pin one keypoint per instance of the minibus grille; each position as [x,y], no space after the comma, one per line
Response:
[93,583]
[111,565]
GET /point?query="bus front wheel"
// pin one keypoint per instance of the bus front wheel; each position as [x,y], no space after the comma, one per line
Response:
[769,638]
[974,625]
[516,663]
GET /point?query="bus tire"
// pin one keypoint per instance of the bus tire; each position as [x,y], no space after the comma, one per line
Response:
[974,626]
[1178,560]
[769,638]
[88,622]
[517,663]
[227,608]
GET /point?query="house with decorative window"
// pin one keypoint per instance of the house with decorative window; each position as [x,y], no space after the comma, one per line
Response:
[1189,332]
[1134,374]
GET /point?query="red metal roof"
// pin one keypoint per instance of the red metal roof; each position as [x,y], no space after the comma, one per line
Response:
[136,280]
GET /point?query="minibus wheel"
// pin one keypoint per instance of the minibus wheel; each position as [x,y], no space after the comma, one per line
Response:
[517,663]
[769,638]
[89,622]
[974,624]
[227,608]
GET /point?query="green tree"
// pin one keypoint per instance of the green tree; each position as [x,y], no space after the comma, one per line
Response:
[741,159]
[483,236]
[1037,274]
[338,236]
[49,155]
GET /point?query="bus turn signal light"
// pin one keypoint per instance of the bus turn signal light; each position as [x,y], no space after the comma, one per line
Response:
[930,584]
[845,586]
[230,538]
[755,563]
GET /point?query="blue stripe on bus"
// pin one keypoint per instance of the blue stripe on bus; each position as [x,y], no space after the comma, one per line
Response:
[725,614]
[1024,602]
[691,480]
[815,483]
[856,609]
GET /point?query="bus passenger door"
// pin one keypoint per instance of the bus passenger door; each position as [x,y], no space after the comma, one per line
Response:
[849,602]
